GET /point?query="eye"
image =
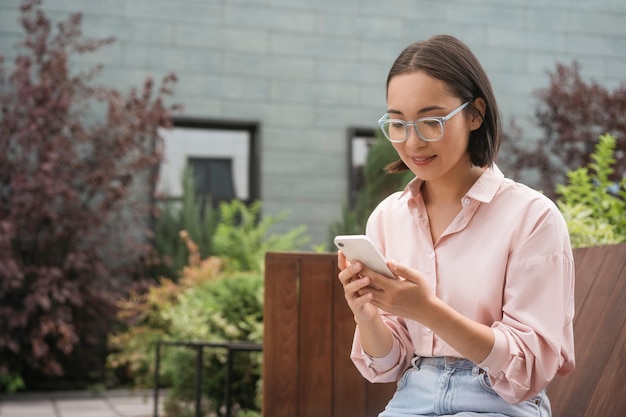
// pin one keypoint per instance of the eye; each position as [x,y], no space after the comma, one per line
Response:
[431,123]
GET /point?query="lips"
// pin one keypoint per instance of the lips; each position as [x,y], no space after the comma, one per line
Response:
[422,160]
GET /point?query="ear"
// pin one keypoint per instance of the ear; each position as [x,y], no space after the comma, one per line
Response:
[477,114]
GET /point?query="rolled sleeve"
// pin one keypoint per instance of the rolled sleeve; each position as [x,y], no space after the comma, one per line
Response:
[390,367]
[534,339]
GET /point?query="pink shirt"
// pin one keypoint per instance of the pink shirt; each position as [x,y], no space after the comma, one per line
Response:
[504,261]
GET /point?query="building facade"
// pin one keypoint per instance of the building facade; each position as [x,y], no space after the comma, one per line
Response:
[293,81]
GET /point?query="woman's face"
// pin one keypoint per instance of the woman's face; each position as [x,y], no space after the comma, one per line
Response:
[416,95]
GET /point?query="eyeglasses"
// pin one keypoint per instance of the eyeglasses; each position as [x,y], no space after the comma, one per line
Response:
[428,129]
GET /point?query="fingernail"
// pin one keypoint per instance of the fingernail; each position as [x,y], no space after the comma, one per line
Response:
[393,263]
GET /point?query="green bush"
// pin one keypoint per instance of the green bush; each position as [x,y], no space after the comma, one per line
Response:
[11,382]
[242,237]
[214,299]
[190,214]
[235,232]
[229,309]
[591,203]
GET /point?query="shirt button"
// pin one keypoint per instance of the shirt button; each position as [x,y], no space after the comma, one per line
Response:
[466,201]
[432,255]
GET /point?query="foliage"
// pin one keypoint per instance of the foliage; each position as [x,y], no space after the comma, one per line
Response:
[592,203]
[243,238]
[11,382]
[236,232]
[571,113]
[190,214]
[376,186]
[133,347]
[215,299]
[64,171]
[230,309]
[206,304]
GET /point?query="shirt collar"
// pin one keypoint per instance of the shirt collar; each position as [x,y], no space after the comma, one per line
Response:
[487,185]
[483,189]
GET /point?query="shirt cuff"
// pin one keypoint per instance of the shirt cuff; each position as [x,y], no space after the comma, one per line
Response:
[384,363]
[499,355]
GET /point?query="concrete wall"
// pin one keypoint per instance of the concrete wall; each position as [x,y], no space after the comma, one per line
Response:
[309,70]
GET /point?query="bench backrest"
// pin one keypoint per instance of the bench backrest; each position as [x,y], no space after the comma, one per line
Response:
[309,329]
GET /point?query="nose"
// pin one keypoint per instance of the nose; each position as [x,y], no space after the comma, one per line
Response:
[414,139]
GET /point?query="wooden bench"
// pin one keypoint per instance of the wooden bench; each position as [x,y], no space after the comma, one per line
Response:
[309,329]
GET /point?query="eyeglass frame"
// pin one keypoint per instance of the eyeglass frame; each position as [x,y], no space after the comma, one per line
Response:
[440,119]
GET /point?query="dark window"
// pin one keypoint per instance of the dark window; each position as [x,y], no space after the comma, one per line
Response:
[360,142]
[213,179]
[223,156]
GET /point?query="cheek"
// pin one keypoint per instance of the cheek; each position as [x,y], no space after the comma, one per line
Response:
[456,141]
[399,148]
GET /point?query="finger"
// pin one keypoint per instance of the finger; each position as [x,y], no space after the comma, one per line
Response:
[342,261]
[405,272]
[358,303]
[371,273]
[378,280]
[357,287]
[350,273]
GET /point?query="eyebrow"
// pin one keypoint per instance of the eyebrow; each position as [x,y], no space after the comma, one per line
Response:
[421,111]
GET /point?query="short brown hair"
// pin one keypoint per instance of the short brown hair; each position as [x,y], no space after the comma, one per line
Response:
[446,58]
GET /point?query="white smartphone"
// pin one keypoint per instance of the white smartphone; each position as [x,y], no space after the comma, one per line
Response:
[360,248]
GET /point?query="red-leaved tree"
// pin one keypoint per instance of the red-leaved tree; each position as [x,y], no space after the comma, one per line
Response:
[572,114]
[65,168]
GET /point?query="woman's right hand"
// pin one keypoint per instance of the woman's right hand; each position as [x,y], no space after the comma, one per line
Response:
[356,290]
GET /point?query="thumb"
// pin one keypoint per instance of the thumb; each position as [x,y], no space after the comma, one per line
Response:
[404,271]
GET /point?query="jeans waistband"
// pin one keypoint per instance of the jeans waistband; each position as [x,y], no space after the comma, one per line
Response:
[443,362]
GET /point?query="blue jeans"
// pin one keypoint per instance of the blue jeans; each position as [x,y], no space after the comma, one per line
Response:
[447,386]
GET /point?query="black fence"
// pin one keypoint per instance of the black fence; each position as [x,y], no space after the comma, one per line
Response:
[231,349]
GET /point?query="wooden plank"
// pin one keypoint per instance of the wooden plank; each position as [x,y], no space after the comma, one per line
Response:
[349,394]
[609,396]
[355,396]
[587,267]
[378,395]
[280,342]
[595,333]
[315,311]
[581,288]
[587,262]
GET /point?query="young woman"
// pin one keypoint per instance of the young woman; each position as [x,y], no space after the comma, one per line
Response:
[478,318]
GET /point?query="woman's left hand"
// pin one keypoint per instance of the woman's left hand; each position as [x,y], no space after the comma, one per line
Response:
[410,297]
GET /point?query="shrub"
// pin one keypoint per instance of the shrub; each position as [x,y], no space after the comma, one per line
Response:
[215,299]
[235,232]
[571,114]
[65,172]
[188,214]
[242,238]
[229,309]
[592,203]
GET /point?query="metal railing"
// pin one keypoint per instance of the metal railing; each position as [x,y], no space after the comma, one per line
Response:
[231,348]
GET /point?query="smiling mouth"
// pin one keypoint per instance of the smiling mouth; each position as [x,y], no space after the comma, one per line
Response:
[422,160]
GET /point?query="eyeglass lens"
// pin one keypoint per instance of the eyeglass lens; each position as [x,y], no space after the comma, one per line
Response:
[426,129]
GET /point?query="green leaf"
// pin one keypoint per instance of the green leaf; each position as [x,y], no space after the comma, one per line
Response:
[594,214]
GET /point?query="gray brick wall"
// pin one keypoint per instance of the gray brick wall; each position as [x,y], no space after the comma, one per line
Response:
[307,70]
